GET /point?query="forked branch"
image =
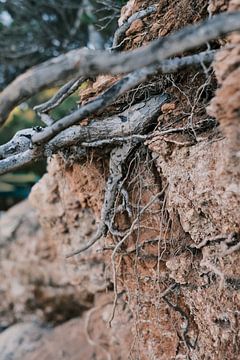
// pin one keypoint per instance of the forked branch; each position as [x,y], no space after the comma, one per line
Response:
[134,120]
[85,62]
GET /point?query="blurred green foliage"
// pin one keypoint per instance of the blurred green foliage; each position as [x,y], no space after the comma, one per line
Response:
[16,186]
[32,31]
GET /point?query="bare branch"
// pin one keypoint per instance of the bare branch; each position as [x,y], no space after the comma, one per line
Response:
[65,91]
[188,38]
[15,162]
[135,120]
[90,63]
[37,78]
[108,130]
[100,103]
[119,88]
[18,144]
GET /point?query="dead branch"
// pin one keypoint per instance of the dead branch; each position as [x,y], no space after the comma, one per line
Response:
[137,120]
[17,161]
[37,78]
[119,88]
[85,62]
[167,66]
[188,38]
[65,91]
[18,144]
[100,103]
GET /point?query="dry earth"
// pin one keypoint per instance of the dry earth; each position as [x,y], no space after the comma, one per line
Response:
[178,272]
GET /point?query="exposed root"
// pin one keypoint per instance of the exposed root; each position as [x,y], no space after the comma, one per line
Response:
[120,243]
[185,328]
[118,157]
[228,244]
[65,91]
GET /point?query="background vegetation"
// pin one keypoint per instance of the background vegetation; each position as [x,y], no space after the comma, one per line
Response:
[32,31]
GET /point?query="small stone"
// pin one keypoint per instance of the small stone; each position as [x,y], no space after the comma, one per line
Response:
[135,27]
[168,107]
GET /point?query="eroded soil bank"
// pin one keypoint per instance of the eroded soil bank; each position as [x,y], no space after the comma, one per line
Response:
[177,273]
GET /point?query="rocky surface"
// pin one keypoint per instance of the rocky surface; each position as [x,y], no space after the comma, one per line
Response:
[87,337]
[39,289]
[35,283]
[21,339]
[177,273]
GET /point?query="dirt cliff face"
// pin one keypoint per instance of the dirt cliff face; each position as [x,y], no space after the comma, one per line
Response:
[177,273]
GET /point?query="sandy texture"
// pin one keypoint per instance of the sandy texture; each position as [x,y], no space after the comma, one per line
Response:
[177,273]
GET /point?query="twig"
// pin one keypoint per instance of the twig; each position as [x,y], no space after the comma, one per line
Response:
[65,91]
[119,244]
[119,88]
[84,62]
[139,117]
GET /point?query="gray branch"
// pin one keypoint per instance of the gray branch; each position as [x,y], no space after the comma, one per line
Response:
[133,121]
[95,131]
[84,62]
[119,88]
[38,78]
[65,91]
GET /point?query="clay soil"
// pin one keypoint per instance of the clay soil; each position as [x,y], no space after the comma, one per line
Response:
[177,275]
